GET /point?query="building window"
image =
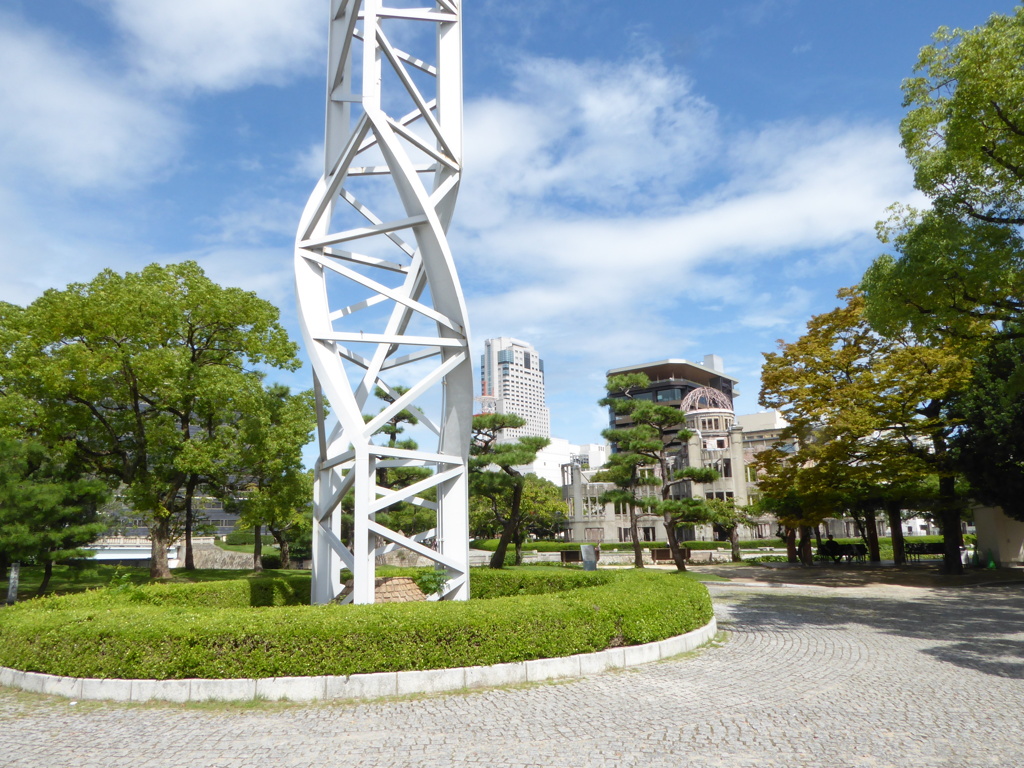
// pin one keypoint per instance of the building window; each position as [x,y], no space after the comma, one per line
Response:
[647,534]
[594,534]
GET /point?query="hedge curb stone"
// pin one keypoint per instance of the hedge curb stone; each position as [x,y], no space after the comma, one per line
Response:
[361,686]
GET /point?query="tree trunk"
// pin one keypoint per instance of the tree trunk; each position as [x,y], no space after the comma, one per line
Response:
[257,550]
[508,533]
[791,552]
[498,558]
[734,539]
[518,539]
[160,536]
[12,583]
[281,538]
[817,535]
[899,552]
[806,555]
[871,526]
[47,573]
[634,535]
[952,536]
[190,489]
[673,544]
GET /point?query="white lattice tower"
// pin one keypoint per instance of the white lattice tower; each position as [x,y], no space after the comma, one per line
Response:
[379,300]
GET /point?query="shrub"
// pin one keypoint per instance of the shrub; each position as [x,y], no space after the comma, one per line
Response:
[490,545]
[271,560]
[247,539]
[211,630]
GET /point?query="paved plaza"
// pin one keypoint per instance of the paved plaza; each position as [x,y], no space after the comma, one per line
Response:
[875,675]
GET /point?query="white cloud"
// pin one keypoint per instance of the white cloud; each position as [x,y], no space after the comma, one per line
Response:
[587,231]
[220,45]
[254,220]
[62,117]
[614,137]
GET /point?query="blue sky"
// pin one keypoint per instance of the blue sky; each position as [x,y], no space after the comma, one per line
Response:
[642,180]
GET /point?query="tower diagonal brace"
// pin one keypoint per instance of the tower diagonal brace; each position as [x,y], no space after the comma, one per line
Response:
[364,333]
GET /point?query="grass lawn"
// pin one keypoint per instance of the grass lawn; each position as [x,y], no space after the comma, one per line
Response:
[246,548]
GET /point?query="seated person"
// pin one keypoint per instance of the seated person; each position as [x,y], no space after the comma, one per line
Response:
[832,549]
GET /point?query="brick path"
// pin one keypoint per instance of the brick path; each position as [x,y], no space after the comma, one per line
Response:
[867,676]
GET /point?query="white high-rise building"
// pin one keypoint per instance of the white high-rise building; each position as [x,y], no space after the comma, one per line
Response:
[512,381]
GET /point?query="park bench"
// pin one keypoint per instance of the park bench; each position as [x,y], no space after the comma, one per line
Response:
[914,550]
[849,552]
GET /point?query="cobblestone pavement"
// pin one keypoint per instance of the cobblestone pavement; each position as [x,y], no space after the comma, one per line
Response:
[867,676]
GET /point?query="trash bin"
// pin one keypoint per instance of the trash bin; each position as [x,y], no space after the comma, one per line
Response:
[589,557]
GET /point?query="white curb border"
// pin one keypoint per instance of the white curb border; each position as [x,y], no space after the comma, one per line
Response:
[366,686]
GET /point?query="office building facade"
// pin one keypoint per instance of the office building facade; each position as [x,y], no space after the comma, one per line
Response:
[512,381]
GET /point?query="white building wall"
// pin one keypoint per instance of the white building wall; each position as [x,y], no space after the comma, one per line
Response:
[1001,535]
[512,373]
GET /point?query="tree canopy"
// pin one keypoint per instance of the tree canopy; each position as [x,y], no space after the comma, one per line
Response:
[132,368]
[645,465]
[496,473]
[870,414]
[959,266]
[48,509]
[990,445]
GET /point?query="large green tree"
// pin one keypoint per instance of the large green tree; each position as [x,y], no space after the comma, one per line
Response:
[990,446]
[541,511]
[126,366]
[958,267]
[265,478]
[871,415]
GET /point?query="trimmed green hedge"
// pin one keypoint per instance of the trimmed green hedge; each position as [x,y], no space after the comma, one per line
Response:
[490,545]
[558,546]
[247,537]
[212,630]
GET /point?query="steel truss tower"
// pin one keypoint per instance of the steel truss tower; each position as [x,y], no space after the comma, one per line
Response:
[380,304]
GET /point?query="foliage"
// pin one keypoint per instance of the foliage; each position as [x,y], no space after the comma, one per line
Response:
[431,581]
[871,418]
[542,509]
[144,373]
[505,485]
[266,481]
[990,446]
[960,268]
[213,631]
[48,510]
[643,467]
[245,538]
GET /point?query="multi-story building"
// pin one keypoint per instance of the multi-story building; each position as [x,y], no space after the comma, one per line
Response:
[705,394]
[512,381]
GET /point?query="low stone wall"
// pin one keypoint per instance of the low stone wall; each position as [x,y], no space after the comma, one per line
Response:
[206,554]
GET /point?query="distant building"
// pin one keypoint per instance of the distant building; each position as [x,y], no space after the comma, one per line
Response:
[512,381]
[559,452]
[705,393]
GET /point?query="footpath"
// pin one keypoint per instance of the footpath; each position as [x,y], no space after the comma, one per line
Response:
[817,667]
